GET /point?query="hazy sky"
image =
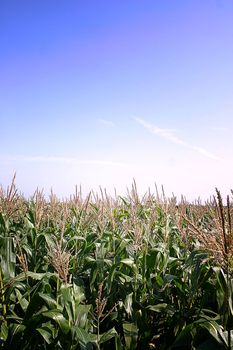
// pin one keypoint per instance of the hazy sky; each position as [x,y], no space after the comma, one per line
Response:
[98,92]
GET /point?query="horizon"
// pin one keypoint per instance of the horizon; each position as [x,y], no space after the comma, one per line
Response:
[157,192]
[99,94]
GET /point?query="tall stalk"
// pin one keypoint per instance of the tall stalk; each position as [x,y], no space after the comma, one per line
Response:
[2,294]
[227,246]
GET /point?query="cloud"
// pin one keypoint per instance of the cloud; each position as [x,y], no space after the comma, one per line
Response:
[106,122]
[165,133]
[58,160]
[169,134]
[204,152]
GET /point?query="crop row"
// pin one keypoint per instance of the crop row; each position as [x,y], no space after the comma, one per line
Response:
[115,273]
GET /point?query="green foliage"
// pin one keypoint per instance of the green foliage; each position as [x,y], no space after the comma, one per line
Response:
[123,275]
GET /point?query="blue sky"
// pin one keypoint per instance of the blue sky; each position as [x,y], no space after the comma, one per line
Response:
[101,92]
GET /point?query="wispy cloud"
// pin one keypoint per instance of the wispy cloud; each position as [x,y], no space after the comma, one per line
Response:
[57,160]
[169,134]
[107,122]
[204,152]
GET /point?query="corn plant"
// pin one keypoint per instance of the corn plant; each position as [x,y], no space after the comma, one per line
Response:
[115,272]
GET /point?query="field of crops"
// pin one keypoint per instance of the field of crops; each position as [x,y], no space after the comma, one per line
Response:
[115,273]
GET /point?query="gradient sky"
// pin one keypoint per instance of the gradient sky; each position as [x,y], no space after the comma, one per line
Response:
[98,92]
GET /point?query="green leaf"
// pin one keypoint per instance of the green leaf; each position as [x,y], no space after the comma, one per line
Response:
[158,307]
[23,301]
[128,304]
[7,257]
[17,328]
[111,276]
[57,316]
[123,277]
[118,345]
[128,262]
[213,328]
[51,302]
[108,335]
[83,336]
[34,307]
[4,331]
[131,335]
[181,339]
[81,315]
[47,331]
[3,223]
[222,279]
[159,280]
[39,276]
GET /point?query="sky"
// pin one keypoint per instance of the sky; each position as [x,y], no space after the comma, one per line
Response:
[101,92]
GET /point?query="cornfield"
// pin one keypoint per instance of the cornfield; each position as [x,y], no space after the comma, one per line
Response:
[121,273]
